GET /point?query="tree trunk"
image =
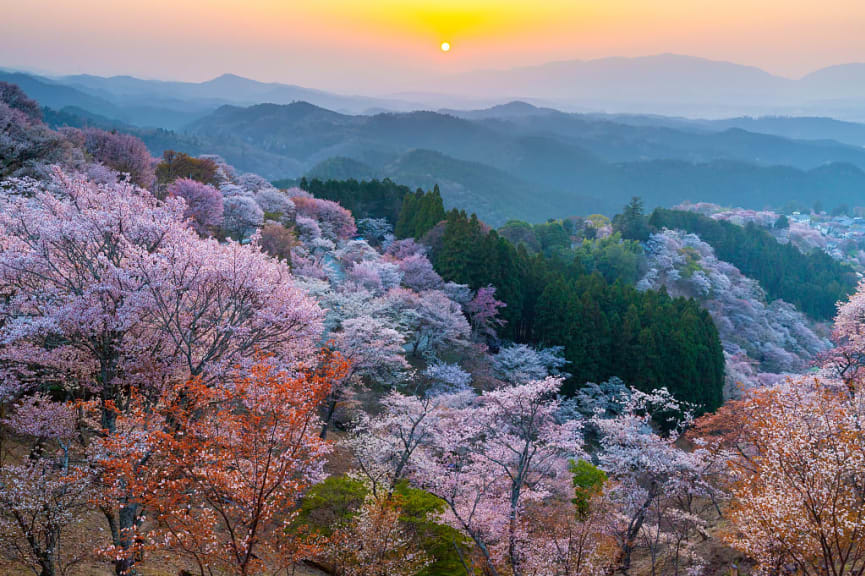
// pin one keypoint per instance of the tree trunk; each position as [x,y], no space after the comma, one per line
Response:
[331,408]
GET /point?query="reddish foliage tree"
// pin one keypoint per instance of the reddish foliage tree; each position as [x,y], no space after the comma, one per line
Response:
[231,462]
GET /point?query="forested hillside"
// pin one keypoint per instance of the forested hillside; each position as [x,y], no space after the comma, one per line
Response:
[814,282]
[606,328]
[203,373]
[531,164]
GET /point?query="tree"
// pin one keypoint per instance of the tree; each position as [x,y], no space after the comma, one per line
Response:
[383,447]
[846,359]
[241,217]
[483,311]
[431,320]
[660,490]
[518,363]
[232,463]
[27,146]
[42,497]
[802,438]
[275,204]
[336,222]
[376,543]
[782,223]
[111,295]
[488,459]
[121,152]
[203,204]
[420,212]
[176,165]
[278,241]
[16,99]
[374,351]
[632,223]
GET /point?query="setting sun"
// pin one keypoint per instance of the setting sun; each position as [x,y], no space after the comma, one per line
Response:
[446,47]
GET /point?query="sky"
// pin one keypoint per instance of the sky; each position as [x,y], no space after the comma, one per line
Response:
[385,46]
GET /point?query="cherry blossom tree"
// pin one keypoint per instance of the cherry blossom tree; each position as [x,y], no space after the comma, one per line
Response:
[374,351]
[488,459]
[519,362]
[383,446]
[28,147]
[44,496]
[275,204]
[223,303]
[203,204]
[16,99]
[376,544]
[802,438]
[846,360]
[430,319]
[110,294]
[122,152]
[661,491]
[241,216]
[446,378]
[277,241]
[376,276]
[483,311]
[336,222]
[418,274]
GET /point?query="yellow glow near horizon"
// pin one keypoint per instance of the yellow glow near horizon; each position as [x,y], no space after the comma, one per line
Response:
[364,43]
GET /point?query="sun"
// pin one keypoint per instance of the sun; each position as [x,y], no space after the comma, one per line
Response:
[446,47]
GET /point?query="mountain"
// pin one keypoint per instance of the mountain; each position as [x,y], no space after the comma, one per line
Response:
[672,84]
[520,161]
[226,89]
[51,94]
[173,105]
[841,82]
[661,83]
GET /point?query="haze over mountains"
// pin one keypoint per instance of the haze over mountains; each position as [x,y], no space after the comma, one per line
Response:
[526,159]
[665,84]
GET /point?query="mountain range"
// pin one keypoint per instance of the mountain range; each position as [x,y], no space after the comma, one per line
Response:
[666,84]
[513,159]
[519,161]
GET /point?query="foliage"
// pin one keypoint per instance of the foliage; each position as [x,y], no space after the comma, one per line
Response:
[203,204]
[27,146]
[176,165]
[588,483]
[615,259]
[419,213]
[806,438]
[632,223]
[121,152]
[332,503]
[112,295]
[759,338]
[489,458]
[231,461]
[241,217]
[335,221]
[812,282]
[277,240]
[365,199]
[663,493]
[646,338]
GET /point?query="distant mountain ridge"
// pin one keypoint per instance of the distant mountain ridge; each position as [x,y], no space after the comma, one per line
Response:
[666,84]
[519,161]
[673,84]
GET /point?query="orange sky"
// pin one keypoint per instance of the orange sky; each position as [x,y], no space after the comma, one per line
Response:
[382,45]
